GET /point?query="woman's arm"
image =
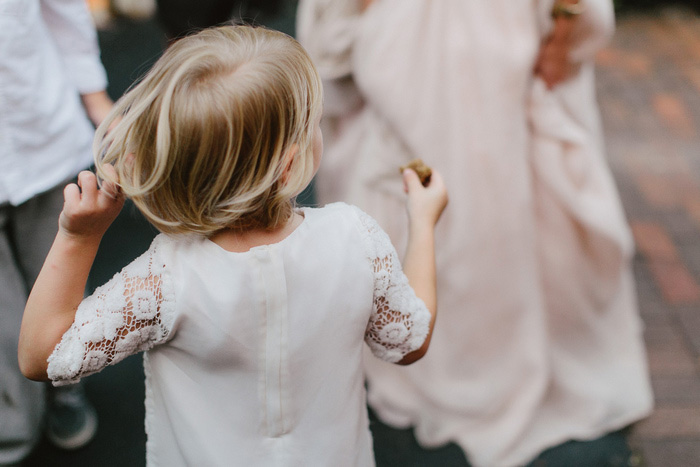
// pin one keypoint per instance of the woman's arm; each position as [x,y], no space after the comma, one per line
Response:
[97,105]
[87,213]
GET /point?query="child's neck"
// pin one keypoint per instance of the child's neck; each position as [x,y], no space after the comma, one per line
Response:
[237,241]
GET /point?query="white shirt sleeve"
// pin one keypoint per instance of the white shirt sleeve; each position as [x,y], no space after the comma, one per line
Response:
[132,312]
[71,27]
[400,320]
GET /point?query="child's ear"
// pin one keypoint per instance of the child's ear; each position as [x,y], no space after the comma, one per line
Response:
[288,160]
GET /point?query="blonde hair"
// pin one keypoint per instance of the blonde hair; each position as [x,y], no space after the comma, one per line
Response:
[219,134]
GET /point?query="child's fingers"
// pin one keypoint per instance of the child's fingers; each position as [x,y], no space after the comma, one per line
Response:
[436,180]
[109,187]
[88,185]
[410,180]
[439,191]
[438,188]
[71,195]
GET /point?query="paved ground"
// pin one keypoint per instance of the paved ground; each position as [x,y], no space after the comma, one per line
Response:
[649,88]
[649,82]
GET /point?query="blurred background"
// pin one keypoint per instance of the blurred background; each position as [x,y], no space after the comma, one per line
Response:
[649,95]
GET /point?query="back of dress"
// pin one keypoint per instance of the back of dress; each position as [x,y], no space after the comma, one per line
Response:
[273,337]
[254,358]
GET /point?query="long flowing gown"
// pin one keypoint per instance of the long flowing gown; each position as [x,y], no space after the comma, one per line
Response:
[538,338]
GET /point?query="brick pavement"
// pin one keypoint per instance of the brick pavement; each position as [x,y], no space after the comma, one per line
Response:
[649,91]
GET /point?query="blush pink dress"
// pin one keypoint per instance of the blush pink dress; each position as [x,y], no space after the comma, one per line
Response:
[538,338]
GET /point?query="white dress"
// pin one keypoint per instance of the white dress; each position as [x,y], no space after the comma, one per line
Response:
[254,358]
[537,339]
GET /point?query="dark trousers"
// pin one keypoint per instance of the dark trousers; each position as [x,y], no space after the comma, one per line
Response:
[26,234]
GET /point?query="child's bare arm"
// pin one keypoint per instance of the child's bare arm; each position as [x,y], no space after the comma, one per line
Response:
[87,213]
[425,205]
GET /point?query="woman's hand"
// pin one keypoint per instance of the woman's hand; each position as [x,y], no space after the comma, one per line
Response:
[89,210]
[553,64]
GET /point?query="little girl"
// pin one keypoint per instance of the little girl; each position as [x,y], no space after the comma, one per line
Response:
[252,313]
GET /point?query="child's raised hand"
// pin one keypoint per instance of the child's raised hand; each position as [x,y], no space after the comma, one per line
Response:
[425,203]
[89,210]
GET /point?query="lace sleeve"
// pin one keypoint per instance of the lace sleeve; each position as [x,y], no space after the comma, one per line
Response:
[130,313]
[400,321]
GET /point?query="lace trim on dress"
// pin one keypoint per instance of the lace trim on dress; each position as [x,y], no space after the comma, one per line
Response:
[131,313]
[400,321]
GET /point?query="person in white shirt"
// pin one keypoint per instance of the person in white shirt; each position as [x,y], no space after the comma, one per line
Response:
[253,313]
[52,86]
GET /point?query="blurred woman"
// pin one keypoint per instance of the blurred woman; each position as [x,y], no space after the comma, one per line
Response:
[539,340]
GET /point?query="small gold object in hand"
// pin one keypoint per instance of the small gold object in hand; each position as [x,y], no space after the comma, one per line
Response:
[424,172]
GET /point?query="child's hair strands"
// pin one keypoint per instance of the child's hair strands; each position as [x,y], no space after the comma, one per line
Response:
[233,136]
